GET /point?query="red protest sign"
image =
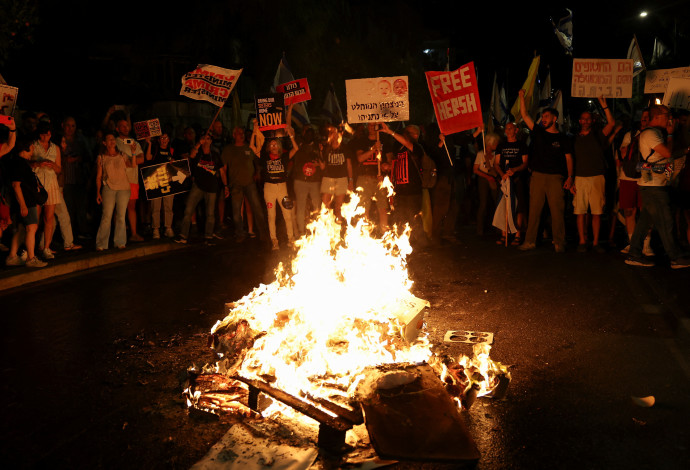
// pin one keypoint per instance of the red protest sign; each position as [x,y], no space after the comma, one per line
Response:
[455,96]
[295,92]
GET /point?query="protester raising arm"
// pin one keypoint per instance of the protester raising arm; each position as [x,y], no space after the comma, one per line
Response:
[399,137]
[610,122]
[523,111]
[256,141]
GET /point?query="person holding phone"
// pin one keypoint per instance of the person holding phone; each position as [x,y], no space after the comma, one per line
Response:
[132,151]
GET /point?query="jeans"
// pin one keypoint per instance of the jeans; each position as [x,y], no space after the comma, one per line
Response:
[656,211]
[252,194]
[113,200]
[167,203]
[304,189]
[273,195]
[194,197]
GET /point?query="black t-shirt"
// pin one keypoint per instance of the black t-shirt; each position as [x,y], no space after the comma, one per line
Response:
[548,151]
[589,154]
[370,166]
[306,164]
[162,156]
[336,162]
[406,176]
[510,154]
[18,169]
[275,167]
[206,171]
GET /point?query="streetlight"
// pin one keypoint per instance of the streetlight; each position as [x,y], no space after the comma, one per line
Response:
[643,14]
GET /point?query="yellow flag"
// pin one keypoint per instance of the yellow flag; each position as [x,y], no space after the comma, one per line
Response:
[529,89]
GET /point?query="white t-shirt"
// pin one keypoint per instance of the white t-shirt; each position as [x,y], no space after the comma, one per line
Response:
[126,149]
[649,139]
[486,167]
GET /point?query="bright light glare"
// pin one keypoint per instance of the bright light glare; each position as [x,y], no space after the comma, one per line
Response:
[643,14]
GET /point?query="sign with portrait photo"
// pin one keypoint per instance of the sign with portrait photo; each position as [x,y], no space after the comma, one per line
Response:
[382,99]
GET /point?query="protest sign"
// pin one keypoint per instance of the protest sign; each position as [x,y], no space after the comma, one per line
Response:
[147,129]
[382,99]
[209,83]
[166,179]
[8,99]
[455,96]
[610,78]
[656,81]
[296,91]
[270,110]
[678,93]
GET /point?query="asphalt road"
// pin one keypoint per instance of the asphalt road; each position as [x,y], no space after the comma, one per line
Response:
[93,363]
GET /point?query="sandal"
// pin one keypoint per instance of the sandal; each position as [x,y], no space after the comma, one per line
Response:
[72,247]
[501,241]
[516,241]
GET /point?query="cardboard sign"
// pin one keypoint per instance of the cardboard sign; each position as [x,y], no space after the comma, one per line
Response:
[209,83]
[610,78]
[166,179]
[382,99]
[270,110]
[455,96]
[656,81]
[147,129]
[678,93]
[294,92]
[8,99]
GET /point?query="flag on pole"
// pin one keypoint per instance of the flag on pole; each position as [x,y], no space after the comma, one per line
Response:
[209,83]
[635,54]
[660,52]
[557,104]
[284,75]
[528,86]
[505,209]
[331,107]
[497,108]
[564,31]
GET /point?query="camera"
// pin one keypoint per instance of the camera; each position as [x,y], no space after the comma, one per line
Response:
[128,141]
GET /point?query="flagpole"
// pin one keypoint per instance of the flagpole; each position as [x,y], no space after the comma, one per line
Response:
[507,198]
[450,159]
[216,116]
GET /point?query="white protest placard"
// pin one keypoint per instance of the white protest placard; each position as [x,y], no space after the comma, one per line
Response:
[656,81]
[382,99]
[678,93]
[610,78]
[8,99]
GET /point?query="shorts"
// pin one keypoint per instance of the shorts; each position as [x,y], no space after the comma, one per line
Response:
[335,186]
[371,190]
[31,217]
[134,191]
[629,195]
[589,192]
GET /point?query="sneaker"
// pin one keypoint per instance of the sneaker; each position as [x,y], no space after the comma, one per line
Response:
[24,255]
[626,250]
[274,245]
[680,263]
[169,233]
[47,254]
[156,234]
[36,263]
[16,261]
[527,246]
[73,247]
[638,261]
[647,251]
[180,239]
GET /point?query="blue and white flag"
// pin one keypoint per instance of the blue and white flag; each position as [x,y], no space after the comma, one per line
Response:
[284,75]
[507,205]
[331,108]
[564,31]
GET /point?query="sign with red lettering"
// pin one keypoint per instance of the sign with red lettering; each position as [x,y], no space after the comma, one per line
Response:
[455,96]
[270,111]
[382,99]
[209,83]
[295,92]
[610,78]
[8,99]
[146,129]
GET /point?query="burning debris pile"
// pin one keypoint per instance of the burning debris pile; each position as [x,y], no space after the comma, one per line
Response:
[313,338]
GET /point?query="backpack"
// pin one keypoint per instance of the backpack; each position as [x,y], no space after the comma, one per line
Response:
[632,158]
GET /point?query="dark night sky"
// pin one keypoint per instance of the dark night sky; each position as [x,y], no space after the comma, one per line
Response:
[498,38]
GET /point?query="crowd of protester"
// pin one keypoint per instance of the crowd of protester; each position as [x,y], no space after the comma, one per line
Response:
[62,186]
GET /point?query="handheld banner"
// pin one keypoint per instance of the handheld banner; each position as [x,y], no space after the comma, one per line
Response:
[382,99]
[295,92]
[146,129]
[209,83]
[270,110]
[455,96]
[656,81]
[678,93]
[8,99]
[610,78]
[166,179]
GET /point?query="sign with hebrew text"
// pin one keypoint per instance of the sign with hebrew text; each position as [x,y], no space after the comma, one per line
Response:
[610,78]
[382,99]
